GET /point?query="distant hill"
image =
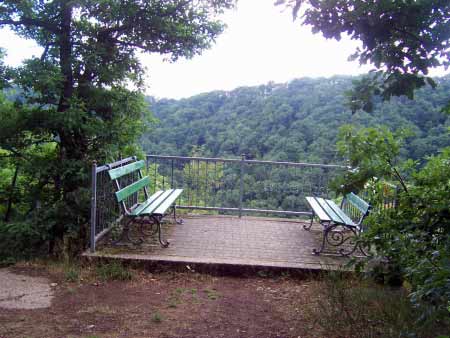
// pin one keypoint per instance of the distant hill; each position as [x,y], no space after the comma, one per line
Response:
[295,121]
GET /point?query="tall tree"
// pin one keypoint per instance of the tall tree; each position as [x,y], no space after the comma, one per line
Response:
[83,93]
[402,39]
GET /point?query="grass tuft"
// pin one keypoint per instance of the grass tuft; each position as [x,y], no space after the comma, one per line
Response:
[71,274]
[359,308]
[113,271]
[212,294]
[157,317]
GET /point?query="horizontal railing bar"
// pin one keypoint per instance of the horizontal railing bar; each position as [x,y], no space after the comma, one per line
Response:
[298,164]
[294,213]
[186,158]
[115,164]
[215,159]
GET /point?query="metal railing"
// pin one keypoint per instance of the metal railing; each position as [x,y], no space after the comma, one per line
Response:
[215,185]
[226,186]
[105,211]
[383,196]
[241,186]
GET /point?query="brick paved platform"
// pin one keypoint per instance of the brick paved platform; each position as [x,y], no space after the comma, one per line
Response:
[231,241]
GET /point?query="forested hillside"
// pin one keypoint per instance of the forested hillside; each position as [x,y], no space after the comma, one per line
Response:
[296,121]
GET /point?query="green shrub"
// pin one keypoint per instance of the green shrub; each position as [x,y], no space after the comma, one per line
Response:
[359,308]
[113,271]
[414,237]
[71,274]
[20,240]
[157,317]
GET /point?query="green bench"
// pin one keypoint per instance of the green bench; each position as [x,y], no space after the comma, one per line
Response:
[148,214]
[342,225]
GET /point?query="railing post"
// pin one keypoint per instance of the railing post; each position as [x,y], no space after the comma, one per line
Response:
[171,177]
[93,205]
[241,188]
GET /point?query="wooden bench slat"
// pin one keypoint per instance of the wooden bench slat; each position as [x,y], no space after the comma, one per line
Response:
[318,209]
[330,212]
[155,204]
[145,204]
[166,204]
[342,215]
[127,169]
[132,188]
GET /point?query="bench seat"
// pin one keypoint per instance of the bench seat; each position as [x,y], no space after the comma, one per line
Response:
[158,203]
[338,221]
[327,210]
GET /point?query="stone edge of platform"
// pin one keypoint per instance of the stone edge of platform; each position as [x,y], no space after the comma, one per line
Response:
[214,266]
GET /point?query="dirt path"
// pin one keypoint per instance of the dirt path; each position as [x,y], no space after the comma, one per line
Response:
[24,291]
[162,305]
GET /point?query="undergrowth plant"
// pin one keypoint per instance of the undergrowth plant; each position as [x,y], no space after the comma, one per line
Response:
[414,236]
[113,271]
[353,307]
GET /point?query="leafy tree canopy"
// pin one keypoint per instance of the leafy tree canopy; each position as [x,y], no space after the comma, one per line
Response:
[415,235]
[402,39]
[296,121]
[80,100]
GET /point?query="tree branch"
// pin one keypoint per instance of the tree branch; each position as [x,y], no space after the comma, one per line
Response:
[31,22]
[399,177]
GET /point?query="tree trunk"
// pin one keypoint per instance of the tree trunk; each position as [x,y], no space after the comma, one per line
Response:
[11,194]
[65,54]
[65,134]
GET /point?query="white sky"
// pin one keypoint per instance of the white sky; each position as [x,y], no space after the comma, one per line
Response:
[261,44]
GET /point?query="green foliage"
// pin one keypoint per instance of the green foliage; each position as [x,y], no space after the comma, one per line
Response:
[296,121]
[80,100]
[357,308]
[414,236]
[157,317]
[356,145]
[71,274]
[417,235]
[21,240]
[113,271]
[401,39]
[212,294]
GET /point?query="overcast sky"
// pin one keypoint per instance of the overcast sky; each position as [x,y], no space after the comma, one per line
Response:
[261,44]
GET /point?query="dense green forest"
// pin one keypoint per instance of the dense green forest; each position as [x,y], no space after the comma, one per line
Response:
[295,121]
[82,101]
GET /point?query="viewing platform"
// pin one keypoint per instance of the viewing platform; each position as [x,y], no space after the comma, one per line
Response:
[229,243]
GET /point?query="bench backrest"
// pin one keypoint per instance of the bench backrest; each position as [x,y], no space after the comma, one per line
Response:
[127,190]
[355,207]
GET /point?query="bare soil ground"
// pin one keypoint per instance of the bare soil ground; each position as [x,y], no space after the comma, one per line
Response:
[167,305]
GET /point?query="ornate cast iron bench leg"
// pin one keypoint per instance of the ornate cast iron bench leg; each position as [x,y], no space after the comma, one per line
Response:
[337,235]
[157,220]
[324,238]
[148,226]
[306,226]
[177,221]
[126,235]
